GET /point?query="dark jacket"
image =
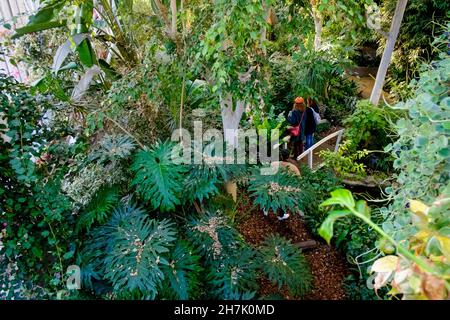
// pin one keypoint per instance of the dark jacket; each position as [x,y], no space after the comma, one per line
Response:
[294,118]
[310,123]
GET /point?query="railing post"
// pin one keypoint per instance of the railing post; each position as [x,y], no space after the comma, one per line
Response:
[310,158]
[338,141]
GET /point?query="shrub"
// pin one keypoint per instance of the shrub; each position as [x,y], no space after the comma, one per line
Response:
[278,191]
[283,263]
[370,127]
[130,252]
[421,152]
[229,260]
[35,217]
[345,161]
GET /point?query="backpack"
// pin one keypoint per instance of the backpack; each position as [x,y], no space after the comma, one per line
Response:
[317,117]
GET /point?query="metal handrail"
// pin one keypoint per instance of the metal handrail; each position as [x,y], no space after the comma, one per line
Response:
[310,151]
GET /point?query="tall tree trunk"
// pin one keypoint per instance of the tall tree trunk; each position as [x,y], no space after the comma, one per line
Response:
[390,45]
[230,122]
[231,118]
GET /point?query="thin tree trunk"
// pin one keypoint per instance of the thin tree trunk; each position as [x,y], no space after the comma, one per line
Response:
[230,121]
[183,22]
[231,118]
[317,26]
[173,9]
[390,45]
[164,14]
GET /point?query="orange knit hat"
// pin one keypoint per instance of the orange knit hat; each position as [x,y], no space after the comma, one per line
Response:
[299,100]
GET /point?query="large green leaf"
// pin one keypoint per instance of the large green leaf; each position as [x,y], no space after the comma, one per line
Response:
[157,178]
[326,229]
[38,27]
[44,19]
[341,197]
[48,12]
[86,53]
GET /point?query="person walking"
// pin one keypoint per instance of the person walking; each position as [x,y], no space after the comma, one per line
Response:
[296,129]
[312,118]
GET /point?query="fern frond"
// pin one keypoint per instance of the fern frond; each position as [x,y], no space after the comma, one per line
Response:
[157,178]
[99,207]
[130,251]
[278,191]
[182,274]
[284,264]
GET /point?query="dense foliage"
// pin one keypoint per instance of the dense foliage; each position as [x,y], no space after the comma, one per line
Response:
[414,232]
[91,177]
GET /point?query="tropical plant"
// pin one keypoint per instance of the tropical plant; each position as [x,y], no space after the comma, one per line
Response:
[278,191]
[429,267]
[213,235]
[234,276]
[203,180]
[284,264]
[231,262]
[370,127]
[99,208]
[130,251]
[421,152]
[182,274]
[157,178]
[344,161]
